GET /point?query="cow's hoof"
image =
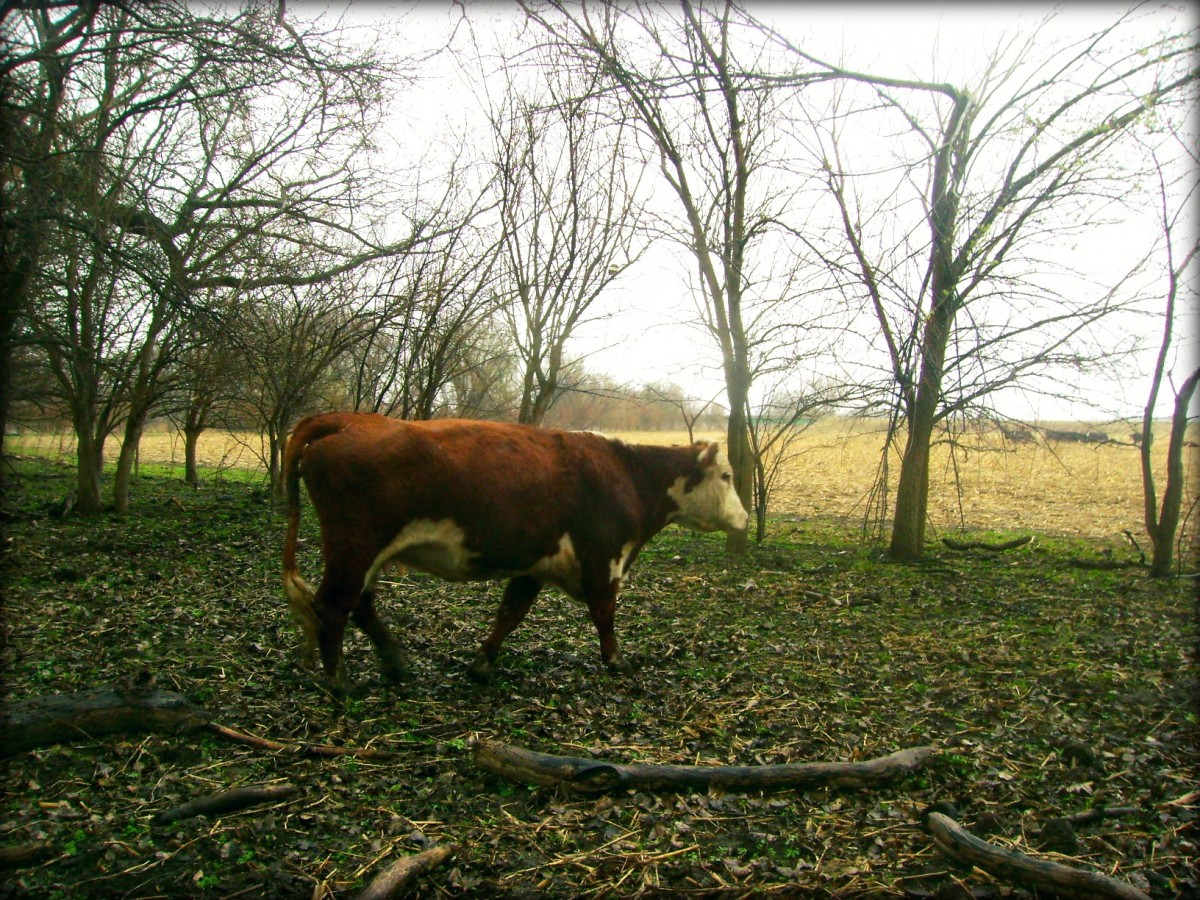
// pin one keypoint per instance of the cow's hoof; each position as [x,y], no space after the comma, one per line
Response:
[619,664]
[397,673]
[481,671]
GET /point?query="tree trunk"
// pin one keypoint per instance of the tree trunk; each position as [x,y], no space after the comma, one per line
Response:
[912,492]
[126,459]
[89,455]
[1162,532]
[741,460]
[275,464]
[912,489]
[191,440]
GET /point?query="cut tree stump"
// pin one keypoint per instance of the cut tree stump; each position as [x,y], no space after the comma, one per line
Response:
[595,776]
[87,715]
[227,801]
[1017,868]
[392,880]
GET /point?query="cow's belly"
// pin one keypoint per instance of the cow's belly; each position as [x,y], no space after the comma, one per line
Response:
[439,548]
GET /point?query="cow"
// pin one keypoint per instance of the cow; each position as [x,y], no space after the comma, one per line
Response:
[471,500]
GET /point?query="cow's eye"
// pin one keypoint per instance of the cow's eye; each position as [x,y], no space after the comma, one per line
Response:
[727,476]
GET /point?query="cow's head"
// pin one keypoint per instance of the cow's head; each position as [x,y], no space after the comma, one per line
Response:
[706,499]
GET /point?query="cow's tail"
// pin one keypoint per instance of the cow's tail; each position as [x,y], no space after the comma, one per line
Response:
[300,593]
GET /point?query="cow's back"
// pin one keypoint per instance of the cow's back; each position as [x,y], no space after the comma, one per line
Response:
[512,492]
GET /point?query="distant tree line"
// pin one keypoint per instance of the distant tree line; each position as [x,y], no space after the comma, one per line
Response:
[202,221]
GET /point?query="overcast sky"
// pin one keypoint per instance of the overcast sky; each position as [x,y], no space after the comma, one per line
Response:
[930,41]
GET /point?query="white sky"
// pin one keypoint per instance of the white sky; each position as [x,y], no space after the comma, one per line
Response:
[930,41]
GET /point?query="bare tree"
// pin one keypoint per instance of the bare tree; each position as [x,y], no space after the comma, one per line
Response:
[435,306]
[38,51]
[709,126]
[181,147]
[291,340]
[1181,253]
[1000,171]
[570,216]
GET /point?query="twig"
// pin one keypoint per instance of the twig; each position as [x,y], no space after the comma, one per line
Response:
[301,748]
[1008,865]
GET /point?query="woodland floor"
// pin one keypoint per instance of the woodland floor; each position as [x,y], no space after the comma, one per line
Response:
[1046,688]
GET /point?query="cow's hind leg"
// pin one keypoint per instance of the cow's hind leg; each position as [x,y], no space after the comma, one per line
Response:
[336,597]
[518,597]
[391,656]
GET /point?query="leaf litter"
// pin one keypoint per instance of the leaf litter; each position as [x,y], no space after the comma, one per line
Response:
[1048,691]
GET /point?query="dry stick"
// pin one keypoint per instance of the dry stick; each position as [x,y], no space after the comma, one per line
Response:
[306,749]
[984,545]
[594,776]
[394,878]
[1010,866]
[227,801]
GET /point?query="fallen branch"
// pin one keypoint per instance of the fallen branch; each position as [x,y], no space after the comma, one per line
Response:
[984,545]
[392,880]
[301,748]
[87,715]
[1008,865]
[594,776]
[19,855]
[226,801]
[1096,813]
[1105,565]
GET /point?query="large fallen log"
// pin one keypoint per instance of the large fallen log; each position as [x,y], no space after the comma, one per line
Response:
[597,776]
[87,715]
[1017,868]
[392,880]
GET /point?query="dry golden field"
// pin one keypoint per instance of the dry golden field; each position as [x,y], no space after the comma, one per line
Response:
[1085,490]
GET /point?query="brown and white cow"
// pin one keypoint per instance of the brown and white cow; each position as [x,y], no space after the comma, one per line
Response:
[471,500]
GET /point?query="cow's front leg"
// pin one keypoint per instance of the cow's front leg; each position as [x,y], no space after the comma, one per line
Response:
[602,606]
[518,597]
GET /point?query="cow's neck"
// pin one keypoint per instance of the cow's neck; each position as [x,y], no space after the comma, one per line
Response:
[654,470]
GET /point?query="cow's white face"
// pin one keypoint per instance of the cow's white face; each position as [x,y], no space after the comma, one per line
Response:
[711,504]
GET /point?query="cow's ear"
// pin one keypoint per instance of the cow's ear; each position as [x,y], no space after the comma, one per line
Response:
[709,456]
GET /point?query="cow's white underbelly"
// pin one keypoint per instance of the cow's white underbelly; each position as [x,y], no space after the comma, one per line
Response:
[439,548]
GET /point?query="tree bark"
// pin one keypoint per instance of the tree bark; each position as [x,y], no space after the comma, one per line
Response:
[123,480]
[1012,867]
[191,441]
[1163,527]
[596,776]
[89,456]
